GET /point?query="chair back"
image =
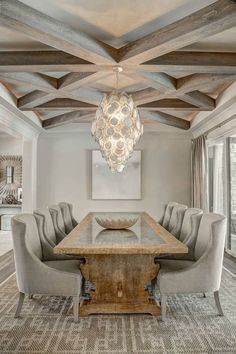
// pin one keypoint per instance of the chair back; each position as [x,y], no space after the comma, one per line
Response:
[66,210]
[211,235]
[167,214]
[190,224]
[45,226]
[57,217]
[176,219]
[27,248]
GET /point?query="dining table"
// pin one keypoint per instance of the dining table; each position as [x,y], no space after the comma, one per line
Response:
[122,264]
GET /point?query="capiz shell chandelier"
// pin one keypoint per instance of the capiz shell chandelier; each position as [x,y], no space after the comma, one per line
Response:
[117,128]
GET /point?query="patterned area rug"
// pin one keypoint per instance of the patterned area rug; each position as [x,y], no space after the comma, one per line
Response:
[192,326]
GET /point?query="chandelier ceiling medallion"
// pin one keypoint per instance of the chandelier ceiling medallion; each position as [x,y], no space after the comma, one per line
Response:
[117,127]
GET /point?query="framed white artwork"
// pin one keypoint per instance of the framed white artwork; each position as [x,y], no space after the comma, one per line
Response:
[108,185]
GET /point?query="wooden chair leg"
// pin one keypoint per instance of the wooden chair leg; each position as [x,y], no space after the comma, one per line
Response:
[76,300]
[217,301]
[163,307]
[20,303]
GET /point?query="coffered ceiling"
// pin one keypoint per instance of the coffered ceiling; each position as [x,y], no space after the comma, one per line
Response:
[177,56]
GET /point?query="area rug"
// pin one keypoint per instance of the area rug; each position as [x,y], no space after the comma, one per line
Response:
[192,326]
[7,266]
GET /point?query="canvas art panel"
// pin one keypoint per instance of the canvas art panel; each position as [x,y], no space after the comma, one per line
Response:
[108,185]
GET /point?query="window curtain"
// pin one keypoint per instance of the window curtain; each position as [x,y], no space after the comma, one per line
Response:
[199,174]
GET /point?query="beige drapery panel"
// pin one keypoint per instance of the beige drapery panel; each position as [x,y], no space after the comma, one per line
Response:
[199,174]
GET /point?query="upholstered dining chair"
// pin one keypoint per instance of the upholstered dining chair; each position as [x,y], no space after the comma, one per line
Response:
[69,220]
[176,219]
[201,275]
[48,237]
[58,221]
[188,233]
[164,221]
[34,276]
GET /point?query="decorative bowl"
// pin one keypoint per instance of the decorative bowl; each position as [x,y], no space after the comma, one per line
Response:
[116,224]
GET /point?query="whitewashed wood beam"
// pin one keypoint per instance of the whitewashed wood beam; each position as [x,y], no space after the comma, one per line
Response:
[170,104]
[166,87]
[72,81]
[37,98]
[212,19]
[35,80]
[183,86]
[177,61]
[59,104]
[46,60]
[37,25]
[165,118]
[196,81]
[193,62]
[67,118]
[199,99]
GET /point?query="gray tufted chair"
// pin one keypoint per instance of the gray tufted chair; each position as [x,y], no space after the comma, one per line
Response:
[201,275]
[188,233]
[58,221]
[35,276]
[176,219]
[164,221]
[69,220]
[48,237]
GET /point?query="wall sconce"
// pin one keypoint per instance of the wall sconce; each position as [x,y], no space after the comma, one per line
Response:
[10,174]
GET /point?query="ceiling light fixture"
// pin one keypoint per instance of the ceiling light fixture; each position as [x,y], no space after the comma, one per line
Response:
[117,127]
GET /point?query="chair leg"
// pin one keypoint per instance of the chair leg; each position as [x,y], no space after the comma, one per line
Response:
[76,300]
[204,295]
[20,303]
[163,307]
[217,301]
[31,296]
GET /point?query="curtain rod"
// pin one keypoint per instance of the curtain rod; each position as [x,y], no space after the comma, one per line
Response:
[217,126]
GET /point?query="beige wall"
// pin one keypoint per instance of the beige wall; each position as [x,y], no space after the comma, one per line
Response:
[64,172]
[10,145]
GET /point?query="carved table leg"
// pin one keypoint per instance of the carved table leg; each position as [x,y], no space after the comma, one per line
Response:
[120,282]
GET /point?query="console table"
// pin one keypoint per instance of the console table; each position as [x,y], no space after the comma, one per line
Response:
[9,209]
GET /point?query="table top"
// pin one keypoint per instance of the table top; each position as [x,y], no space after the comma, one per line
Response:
[145,237]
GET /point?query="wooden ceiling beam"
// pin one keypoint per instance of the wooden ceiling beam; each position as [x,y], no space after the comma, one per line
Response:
[45,29]
[193,62]
[197,81]
[58,104]
[73,81]
[184,85]
[165,118]
[170,104]
[199,99]
[37,98]
[46,60]
[36,80]
[67,118]
[212,19]
[177,61]
[166,87]
[34,98]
